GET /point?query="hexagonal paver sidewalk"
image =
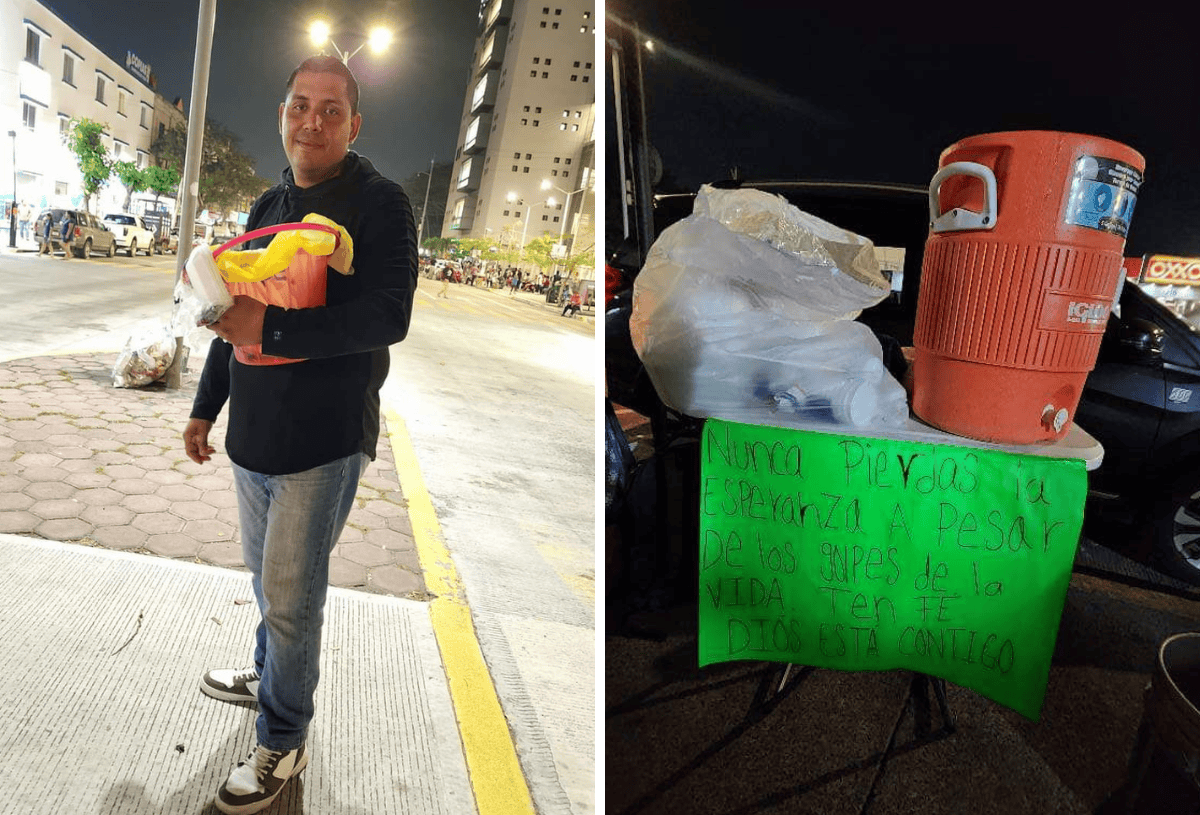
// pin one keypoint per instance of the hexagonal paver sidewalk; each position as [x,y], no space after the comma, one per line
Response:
[84,462]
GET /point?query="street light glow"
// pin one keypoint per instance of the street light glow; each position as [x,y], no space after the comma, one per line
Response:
[380,39]
[318,32]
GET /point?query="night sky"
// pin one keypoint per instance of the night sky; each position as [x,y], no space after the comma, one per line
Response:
[411,96]
[875,94]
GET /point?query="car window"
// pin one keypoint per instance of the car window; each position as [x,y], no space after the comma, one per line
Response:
[120,219]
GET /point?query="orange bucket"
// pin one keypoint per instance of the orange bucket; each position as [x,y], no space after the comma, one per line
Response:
[1022,263]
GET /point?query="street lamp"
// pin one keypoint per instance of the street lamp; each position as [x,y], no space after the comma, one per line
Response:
[12,226]
[425,206]
[562,229]
[514,199]
[379,38]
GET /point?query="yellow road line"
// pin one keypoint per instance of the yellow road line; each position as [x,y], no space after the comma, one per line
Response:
[496,777]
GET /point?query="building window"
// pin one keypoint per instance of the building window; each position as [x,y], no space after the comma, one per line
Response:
[558,12]
[567,161]
[566,113]
[60,188]
[524,121]
[557,160]
[545,75]
[525,170]
[588,66]
[555,25]
[68,69]
[100,89]
[516,155]
[464,175]
[578,113]
[536,122]
[555,219]
[587,15]
[536,60]
[562,126]
[547,60]
[145,122]
[29,115]
[64,124]
[586,78]
[528,156]
[526,108]
[545,217]
[514,168]
[162,129]
[554,172]
[541,25]
[533,74]
[33,47]
[583,29]
[118,150]
[545,11]
[121,102]
[537,110]
[506,213]
[575,64]
[566,173]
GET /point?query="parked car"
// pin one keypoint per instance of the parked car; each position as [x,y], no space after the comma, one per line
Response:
[131,232]
[90,234]
[159,225]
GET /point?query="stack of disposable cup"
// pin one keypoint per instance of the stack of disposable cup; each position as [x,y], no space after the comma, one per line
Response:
[207,282]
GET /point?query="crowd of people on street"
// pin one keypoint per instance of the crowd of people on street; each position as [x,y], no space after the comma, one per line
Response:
[493,276]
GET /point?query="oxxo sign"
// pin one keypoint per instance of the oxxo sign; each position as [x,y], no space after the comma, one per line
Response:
[1171,271]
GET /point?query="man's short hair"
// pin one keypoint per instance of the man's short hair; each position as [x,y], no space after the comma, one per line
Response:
[323,64]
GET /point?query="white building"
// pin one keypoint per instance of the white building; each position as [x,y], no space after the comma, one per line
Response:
[50,74]
[526,143]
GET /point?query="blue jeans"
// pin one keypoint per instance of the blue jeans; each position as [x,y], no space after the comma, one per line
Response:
[289,525]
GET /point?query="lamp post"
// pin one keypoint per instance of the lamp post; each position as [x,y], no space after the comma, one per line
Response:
[12,225]
[425,206]
[514,199]
[562,229]
[379,38]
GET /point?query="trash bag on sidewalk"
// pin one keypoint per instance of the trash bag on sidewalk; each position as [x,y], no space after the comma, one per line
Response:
[145,358]
[745,311]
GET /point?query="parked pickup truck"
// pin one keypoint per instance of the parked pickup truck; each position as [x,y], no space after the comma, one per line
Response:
[132,233]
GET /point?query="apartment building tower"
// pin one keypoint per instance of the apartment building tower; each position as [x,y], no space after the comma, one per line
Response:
[527,139]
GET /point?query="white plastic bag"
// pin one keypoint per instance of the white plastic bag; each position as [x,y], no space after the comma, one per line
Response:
[145,358]
[745,311]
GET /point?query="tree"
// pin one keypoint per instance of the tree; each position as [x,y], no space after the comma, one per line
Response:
[439,245]
[132,177]
[83,139]
[227,177]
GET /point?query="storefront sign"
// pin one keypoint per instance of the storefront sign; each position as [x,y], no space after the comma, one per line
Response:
[135,66]
[870,554]
[1169,270]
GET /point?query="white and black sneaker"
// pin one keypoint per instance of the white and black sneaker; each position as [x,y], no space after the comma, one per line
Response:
[231,685]
[255,782]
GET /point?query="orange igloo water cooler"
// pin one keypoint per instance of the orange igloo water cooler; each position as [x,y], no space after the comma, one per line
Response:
[1023,260]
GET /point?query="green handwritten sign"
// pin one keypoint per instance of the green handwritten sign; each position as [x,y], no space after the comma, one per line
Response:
[869,554]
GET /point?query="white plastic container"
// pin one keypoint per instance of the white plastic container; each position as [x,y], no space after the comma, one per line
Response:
[207,283]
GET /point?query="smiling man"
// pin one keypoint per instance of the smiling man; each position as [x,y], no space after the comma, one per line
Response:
[300,433]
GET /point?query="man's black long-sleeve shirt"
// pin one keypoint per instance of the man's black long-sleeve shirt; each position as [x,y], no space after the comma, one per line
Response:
[292,417]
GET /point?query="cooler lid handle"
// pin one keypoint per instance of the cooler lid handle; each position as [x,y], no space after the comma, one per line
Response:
[958,218]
